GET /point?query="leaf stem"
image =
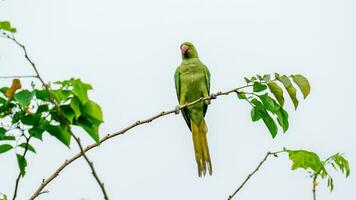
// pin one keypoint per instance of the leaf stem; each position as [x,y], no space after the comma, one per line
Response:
[18,76]
[314,186]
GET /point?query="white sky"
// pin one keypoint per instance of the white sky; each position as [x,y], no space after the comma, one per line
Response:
[129,50]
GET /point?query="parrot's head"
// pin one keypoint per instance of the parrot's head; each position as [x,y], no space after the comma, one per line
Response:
[188,50]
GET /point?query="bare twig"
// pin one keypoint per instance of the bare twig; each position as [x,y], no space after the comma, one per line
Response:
[19,176]
[19,76]
[59,112]
[91,165]
[250,175]
[315,183]
[175,110]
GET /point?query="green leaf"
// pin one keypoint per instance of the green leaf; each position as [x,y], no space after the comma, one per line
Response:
[255,116]
[64,83]
[60,132]
[247,80]
[342,163]
[3,136]
[75,105]
[93,111]
[22,164]
[42,95]
[29,147]
[277,92]
[5,147]
[267,119]
[6,26]
[30,119]
[42,108]
[276,75]
[2,131]
[5,109]
[330,183]
[282,117]
[80,90]
[2,100]
[302,83]
[7,137]
[269,122]
[3,90]
[258,104]
[55,116]
[305,160]
[61,95]
[17,116]
[290,89]
[36,132]
[253,78]
[266,77]
[24,97]
[67,112]
[259,77]
[91,128]
[258,87]
[241,95]
[269,103]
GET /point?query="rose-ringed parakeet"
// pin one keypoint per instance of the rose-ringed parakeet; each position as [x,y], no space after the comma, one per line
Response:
[192,81]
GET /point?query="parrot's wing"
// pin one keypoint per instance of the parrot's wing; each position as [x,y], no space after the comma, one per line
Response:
[207,82]
[207,79]
[177,84]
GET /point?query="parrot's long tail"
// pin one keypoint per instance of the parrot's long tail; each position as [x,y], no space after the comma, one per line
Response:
[201,148]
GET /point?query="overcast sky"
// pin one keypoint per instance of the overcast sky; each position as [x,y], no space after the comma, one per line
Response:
[129,50]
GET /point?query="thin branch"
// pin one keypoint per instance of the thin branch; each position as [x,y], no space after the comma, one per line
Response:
[18,76]
[315,183]
[175,110]
[19,176]
[91,165]
[59,112]
[250,175]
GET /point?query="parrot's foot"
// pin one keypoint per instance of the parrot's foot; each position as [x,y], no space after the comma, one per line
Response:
[177,110]
[213,96]
[207,102]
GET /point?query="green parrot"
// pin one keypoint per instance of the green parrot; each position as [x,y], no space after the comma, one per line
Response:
[192,81]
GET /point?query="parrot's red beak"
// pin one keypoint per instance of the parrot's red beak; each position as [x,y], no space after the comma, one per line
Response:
[184,48]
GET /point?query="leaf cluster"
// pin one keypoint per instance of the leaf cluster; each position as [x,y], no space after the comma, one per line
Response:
[6,26]
[270,108]
[316,167]
[31,113]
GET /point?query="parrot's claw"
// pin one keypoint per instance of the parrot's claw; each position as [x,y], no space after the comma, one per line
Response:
[207,102]
[213,96]
[177,110]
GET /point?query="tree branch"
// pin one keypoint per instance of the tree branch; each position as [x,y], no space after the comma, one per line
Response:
[18,76]
[60,114]
[175,110]
[250,175]
[315,183]
[19,176]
